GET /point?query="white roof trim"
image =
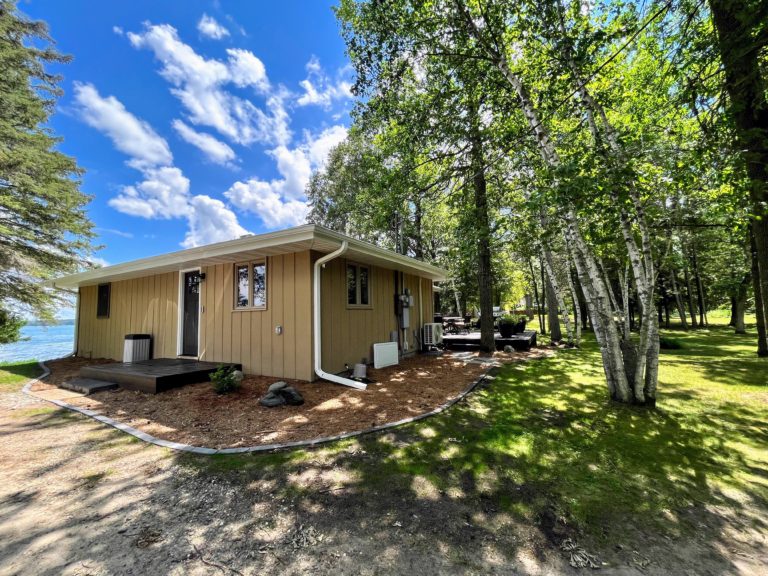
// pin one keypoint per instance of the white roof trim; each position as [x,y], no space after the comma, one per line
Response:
[308,236]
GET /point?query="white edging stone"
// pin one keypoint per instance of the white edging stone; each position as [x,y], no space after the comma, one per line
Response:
[27,389]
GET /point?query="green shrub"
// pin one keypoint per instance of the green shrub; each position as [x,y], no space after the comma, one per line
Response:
[224,380]
[667,343]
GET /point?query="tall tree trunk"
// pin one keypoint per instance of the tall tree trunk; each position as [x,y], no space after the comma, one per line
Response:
[539,310]
[576,306]
[760,305]
[555,290]
[595,291]
[740,305]
[418,236]
[746,88]
[552,313]
[544,291]
[689,295]
[678,298]
[699,285]
[483,231]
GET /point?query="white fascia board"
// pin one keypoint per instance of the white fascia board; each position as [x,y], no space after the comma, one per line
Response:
[182,257]
[307,233]
[397,260]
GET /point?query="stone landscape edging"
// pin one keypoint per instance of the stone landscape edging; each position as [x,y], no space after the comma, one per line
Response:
[178,446]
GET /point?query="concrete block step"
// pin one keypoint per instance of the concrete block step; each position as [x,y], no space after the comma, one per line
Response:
[87,385]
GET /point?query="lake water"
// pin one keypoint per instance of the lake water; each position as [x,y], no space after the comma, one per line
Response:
[43,343]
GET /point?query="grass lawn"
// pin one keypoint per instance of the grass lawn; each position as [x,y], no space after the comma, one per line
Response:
[13,375]
[542,442]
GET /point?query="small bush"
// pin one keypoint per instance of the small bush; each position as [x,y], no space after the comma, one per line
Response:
[224,380]
[666,343]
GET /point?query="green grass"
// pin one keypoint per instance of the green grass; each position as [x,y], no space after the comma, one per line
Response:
[13,375]
[542,436]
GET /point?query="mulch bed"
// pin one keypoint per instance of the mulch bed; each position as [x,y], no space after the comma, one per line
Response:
[196,415]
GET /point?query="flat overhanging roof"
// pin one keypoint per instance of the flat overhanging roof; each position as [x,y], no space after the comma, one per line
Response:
[299,239]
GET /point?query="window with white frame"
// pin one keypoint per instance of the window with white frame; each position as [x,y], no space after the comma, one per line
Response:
[358,285]
[251,285]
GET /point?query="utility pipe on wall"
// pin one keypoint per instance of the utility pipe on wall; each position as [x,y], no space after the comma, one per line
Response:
[317,323]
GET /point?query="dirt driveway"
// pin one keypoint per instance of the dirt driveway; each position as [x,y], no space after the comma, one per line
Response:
[77,497]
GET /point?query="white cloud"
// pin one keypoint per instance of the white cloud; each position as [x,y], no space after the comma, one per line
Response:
[247,70]
[129,134]
[261,198]
[208,26]
[97,261]
[215,150]
[211,221]
[116,232]
[199,84]
[320,90]
[164,193]
[281,202]
[319,148]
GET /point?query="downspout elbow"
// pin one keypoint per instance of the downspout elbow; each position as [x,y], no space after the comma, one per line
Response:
[317,322]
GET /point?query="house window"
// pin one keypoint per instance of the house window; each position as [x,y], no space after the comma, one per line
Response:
[251,285]
[102,301]
[358,285]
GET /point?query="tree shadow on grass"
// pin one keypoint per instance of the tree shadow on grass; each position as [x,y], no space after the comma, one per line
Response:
[534,456]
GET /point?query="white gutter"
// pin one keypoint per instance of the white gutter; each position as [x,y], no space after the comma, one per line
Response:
[317,323]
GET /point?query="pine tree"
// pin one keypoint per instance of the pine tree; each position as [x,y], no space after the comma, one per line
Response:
[44,229]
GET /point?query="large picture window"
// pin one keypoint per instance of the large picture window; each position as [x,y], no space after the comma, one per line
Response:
[358,285]
[251,285]
[102,301]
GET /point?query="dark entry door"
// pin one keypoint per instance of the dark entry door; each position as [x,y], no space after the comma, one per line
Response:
[191,307]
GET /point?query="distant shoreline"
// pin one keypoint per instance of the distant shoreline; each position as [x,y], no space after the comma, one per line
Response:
[68,322]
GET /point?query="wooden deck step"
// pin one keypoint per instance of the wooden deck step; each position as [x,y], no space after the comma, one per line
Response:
[87,386]
[153,376]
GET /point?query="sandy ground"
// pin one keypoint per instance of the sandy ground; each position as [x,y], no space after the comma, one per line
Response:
[196,415]
[79,498]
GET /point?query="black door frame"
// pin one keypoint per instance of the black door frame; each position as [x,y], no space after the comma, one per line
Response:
[182,296]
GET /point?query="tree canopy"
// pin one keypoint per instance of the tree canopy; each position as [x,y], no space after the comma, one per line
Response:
[602,150]
[44,229]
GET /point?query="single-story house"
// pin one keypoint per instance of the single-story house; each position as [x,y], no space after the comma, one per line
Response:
[299,303]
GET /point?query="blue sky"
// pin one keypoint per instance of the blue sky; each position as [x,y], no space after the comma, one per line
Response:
[196,122]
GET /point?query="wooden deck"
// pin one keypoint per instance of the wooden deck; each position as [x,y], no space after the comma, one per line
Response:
[522,342]
[153,376]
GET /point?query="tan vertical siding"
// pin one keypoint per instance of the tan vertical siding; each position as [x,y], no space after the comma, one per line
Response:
[150,305]
[135,306]
[349,333]
[248,336]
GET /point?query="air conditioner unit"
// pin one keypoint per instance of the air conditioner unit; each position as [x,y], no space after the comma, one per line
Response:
[433,334]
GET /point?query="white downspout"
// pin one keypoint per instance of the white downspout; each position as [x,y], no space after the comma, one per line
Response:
[317,324]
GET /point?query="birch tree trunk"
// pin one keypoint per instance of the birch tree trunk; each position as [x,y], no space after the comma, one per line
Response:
[576,307]
[595,291]
[640,257]
[558,300]
[555,334]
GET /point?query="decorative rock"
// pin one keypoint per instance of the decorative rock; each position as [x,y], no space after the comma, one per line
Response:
[238,375]
[277,386]
[508,349]
[291,396]
[272,399]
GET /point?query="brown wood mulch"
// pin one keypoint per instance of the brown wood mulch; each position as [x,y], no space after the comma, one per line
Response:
[196,415]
